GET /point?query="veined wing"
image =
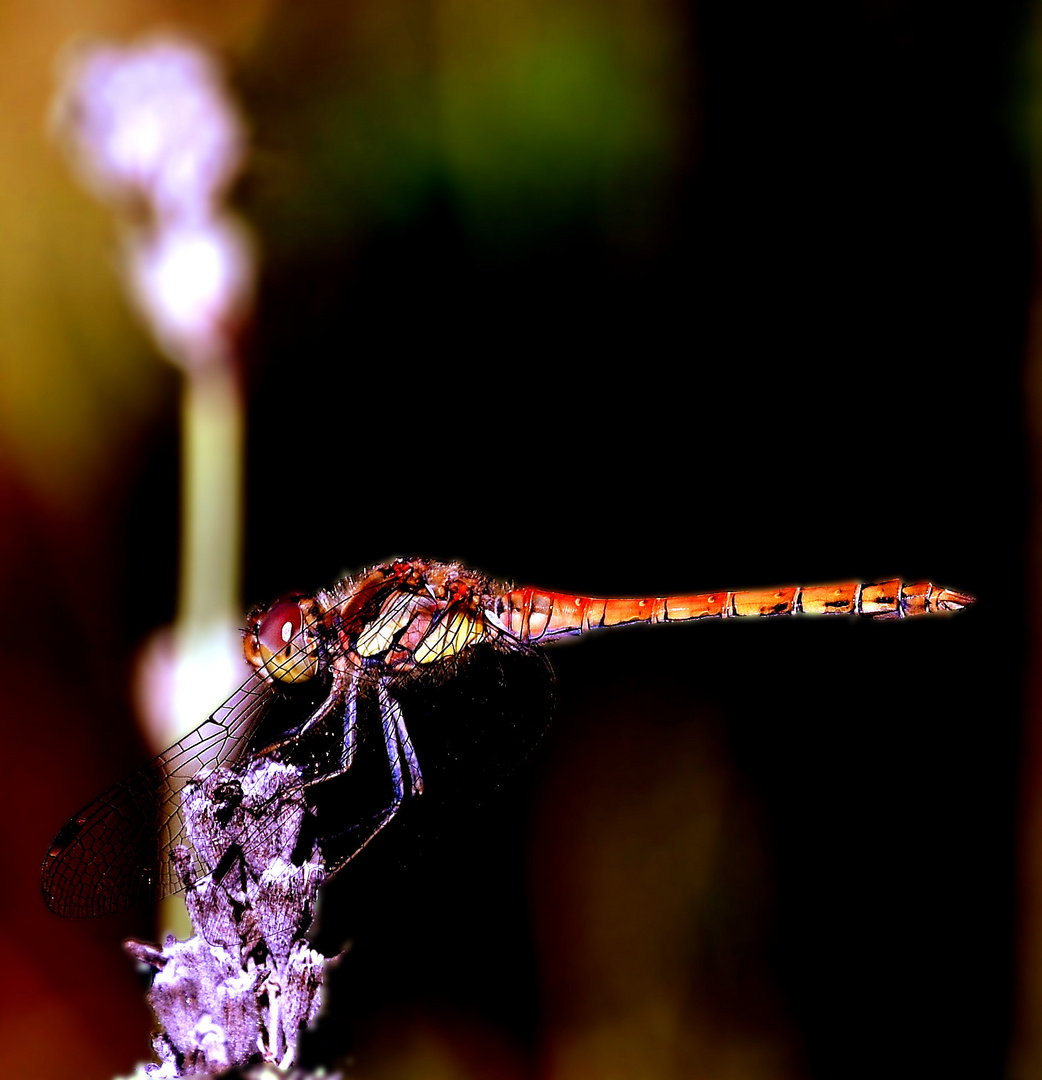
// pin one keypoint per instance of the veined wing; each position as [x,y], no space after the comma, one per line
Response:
[115,853]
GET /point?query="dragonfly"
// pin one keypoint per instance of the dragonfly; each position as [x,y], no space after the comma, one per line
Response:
[355,650]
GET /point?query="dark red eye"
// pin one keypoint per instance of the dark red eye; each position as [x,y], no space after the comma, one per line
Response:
[280,643]
[279,625]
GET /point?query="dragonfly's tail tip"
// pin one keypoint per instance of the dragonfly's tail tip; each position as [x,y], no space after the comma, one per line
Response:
[950,600]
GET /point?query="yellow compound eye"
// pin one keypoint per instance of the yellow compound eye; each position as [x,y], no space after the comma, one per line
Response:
[279,642]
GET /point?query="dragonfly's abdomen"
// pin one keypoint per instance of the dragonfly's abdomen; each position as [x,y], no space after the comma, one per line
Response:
[536,615]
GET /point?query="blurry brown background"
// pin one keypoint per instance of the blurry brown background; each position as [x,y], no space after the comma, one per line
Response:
[604,296]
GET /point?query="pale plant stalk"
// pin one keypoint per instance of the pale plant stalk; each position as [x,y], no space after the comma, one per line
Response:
[206,659]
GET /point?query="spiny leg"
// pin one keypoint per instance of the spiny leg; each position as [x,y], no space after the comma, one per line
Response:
[345,688]
[399,745]
[349,695]
[342,689]
[350,729]
[405,744]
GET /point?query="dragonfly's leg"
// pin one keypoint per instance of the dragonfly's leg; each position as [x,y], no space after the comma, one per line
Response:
[341,690]
[389,721]
[399,746]
[405,743]
[347,757]
[350,729]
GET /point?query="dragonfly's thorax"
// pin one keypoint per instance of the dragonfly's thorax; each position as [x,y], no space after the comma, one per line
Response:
[413,611]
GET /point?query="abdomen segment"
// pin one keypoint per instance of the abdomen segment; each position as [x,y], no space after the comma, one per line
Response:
[535,615]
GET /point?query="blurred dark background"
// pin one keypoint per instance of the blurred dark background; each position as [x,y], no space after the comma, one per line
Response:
[605,297]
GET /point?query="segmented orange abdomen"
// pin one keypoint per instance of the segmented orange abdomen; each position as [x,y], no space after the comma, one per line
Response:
[536,615]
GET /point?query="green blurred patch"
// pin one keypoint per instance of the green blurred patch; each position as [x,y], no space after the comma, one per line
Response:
[562,126]
[526,119]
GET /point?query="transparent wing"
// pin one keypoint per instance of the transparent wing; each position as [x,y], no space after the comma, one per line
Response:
[115,853]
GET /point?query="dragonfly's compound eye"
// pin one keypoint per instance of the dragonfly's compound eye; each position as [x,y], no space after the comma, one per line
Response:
[280,644]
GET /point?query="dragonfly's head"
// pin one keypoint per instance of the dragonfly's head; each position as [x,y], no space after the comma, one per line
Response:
[282,641]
